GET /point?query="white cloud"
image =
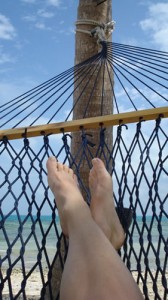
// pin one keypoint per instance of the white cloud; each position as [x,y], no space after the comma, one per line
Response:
[62,22]
[53,2]
[45,14]
[29,18]
[10,90]
[7,30]
[42,26]
[39,19]
[5,57]
[29,1]
[157,24]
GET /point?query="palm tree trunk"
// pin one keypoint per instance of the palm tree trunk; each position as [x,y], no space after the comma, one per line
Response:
[86,47]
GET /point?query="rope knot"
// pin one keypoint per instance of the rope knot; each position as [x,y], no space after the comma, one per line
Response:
[65,141]
[46,140]
[26,142]
[102,31]
[85,140]
[158,121]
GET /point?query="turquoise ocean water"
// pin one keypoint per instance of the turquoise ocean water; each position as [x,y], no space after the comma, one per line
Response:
[20,240]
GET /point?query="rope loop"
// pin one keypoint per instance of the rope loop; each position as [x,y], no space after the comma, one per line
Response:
[65,141]
[158,121]
[139,126]
[119,129]
[64,138]
[46,140]
[101,31]
[26,142]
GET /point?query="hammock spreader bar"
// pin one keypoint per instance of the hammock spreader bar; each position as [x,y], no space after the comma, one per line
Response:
[87,123]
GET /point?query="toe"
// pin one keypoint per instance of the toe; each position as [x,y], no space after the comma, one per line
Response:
[51,163]
[60,166]
[71,172]
[65,168]
[97,162]
[99,167]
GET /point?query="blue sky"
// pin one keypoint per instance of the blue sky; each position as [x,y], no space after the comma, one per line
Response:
[37,37]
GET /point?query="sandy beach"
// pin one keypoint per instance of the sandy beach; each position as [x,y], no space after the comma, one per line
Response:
[151,294]
[34,285]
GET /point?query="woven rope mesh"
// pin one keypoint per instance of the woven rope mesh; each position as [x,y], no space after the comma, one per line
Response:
[139,172]
[32,247]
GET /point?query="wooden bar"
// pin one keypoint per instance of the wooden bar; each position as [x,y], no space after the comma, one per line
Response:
[88,123]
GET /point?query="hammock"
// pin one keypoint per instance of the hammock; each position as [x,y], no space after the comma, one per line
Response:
[137,161]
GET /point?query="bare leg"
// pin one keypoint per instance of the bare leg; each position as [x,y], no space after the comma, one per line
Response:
[93,269]
[102,204]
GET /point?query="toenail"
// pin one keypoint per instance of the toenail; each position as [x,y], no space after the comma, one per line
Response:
[52,158]
[96,159]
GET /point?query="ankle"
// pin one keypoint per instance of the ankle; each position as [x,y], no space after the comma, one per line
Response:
[78,216]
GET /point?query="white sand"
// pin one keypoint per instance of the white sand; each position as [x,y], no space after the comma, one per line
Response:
[151,294]
[34,285]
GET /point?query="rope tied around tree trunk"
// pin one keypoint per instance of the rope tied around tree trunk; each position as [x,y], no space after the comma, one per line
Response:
[102,31]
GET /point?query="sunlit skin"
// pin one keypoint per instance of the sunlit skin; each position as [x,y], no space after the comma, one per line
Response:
[93,268]
[102,204]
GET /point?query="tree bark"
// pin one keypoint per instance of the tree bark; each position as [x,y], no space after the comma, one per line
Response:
[85,48]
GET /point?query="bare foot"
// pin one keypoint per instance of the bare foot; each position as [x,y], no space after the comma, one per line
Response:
[102,204]
[64,186]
